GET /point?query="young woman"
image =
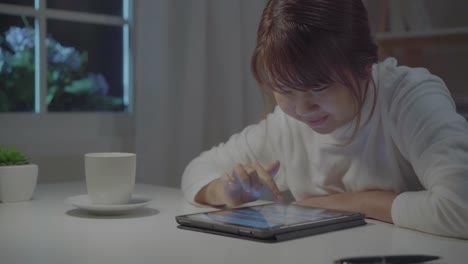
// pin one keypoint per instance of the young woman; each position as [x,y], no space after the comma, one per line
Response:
[351,133]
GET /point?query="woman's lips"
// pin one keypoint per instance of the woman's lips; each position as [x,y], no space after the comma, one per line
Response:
[316,122]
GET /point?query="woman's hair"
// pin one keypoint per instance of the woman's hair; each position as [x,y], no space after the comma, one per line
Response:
[303,44]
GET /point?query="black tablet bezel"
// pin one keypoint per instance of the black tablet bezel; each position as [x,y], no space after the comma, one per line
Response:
[268,233]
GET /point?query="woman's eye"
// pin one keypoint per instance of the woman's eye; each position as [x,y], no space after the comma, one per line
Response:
[320,88]
[287,92]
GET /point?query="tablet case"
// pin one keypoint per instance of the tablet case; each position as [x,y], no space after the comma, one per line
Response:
[284,236]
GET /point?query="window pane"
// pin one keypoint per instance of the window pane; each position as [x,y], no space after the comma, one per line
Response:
[84,67]
[109,7]
[18,2]
[17,67]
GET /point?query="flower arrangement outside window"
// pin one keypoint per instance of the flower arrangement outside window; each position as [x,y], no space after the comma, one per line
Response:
[70,87]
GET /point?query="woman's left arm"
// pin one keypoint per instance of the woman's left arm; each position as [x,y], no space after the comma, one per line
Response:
[434,139]
[374,204]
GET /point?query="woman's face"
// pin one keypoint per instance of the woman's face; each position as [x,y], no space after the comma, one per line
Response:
[324,109]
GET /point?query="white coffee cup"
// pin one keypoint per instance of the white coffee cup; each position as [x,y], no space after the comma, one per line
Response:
[110,177]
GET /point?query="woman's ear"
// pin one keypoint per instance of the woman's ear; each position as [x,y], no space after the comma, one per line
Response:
[269,101]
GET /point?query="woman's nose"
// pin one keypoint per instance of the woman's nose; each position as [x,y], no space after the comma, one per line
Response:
[305,105]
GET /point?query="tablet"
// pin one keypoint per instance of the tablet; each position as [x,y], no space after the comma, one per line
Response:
[270,222]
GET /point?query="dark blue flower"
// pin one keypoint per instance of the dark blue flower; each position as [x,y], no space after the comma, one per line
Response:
[58,54]
[20,39]
[101,85]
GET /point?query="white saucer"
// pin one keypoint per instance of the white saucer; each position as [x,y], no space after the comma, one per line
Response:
[84,202]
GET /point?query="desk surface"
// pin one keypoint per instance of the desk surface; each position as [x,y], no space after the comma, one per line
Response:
[47,230]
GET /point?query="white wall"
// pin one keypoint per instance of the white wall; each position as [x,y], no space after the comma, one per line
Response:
[57,142]
[193,77]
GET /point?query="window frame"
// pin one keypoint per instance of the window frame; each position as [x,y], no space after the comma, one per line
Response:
[41,13]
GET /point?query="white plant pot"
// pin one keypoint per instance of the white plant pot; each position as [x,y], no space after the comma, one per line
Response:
[17,183]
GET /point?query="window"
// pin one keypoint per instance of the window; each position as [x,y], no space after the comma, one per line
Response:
[65,56]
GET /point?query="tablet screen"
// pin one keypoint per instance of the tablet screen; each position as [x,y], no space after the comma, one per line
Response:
[267,216]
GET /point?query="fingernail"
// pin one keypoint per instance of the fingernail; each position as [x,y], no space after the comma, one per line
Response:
[274,172]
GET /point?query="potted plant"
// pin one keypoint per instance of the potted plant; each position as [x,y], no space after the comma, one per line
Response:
[18,177]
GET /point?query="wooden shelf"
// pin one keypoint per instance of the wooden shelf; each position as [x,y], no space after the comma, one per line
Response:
[434,33]
[421,39]
[416,48]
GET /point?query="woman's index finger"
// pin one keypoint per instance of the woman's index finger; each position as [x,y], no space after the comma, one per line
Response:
[267,179]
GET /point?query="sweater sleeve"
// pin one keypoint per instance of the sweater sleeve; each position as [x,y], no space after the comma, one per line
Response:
[434,138]
[256,143]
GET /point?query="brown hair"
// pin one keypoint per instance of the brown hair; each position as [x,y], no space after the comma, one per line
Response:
[302,44]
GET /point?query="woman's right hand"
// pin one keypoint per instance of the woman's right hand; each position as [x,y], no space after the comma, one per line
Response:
[245,184]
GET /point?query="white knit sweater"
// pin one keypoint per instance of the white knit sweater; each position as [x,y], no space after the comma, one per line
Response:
[414,144]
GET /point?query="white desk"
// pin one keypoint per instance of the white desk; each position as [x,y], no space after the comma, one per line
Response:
[46,230]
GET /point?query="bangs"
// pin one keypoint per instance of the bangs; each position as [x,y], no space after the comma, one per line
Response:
[301,60]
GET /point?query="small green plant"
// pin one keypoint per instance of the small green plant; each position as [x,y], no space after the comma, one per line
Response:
[11,157]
